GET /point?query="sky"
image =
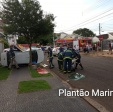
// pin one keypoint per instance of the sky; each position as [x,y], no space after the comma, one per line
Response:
[71,15]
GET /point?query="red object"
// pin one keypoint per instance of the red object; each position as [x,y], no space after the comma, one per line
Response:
[100,37]
[84,41]
[42,71]
[110,45]
[64,40]
[27,45]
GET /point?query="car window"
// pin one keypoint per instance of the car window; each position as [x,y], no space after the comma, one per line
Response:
[16,49]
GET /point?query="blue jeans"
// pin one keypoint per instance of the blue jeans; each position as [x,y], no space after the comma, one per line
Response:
[51,62]
[67,65]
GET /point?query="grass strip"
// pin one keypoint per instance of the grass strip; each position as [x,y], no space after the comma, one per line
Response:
[35,74]
[33,85]
[4,73]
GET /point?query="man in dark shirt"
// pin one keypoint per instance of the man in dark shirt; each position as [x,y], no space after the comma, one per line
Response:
[12,58]
[60,59]
[50,55]
[78,61]
[61,49]
[67,57]
[110,48]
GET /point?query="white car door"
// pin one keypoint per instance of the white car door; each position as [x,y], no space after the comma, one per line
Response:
[22,57]
[40,56]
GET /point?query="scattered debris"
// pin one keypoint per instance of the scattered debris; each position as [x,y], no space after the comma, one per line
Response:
[42,71]
[44,65]
[76,76]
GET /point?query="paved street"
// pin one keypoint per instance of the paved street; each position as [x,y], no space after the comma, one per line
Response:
[98,73]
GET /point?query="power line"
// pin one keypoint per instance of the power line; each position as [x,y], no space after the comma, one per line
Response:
[98,5]
[89,19]
[107,25]
[108,19]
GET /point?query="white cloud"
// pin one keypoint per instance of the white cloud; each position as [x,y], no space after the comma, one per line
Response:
[70,13]
[67,12]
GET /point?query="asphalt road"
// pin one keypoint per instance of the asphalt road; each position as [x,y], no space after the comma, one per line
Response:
[98,73]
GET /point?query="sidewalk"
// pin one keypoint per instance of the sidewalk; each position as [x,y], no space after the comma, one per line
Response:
[104,53]
[41,101]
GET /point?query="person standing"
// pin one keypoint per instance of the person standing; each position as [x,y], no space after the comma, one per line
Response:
[110,48]
[87,47]
[61,49]
[68,54]
[12,58]
[76,48]
[60,60]
[50,55]
[78,61]
[42,47]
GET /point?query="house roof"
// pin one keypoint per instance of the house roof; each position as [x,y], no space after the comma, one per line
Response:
[103,36]
[111,33]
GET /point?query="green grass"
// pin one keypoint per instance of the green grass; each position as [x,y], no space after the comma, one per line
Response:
[33,85]
[35,74]
[4,73]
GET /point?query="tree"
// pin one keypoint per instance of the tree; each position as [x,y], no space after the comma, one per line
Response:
[27,18]
[22,40]
[84,32]
[48,39]
[44,40]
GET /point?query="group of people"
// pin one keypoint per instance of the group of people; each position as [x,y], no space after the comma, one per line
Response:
[65,59]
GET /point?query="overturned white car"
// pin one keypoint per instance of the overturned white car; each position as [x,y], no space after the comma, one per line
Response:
[22,56]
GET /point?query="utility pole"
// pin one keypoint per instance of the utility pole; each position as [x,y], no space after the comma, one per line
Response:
[53,40]
[99,29]
[101,40]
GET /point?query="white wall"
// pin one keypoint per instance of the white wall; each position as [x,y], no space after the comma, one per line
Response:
[1,48]
[62,35]
[76,43]
[12,39]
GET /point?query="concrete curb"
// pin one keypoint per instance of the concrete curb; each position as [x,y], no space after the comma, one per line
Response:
[98,55]
[92,102]
[95,104]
